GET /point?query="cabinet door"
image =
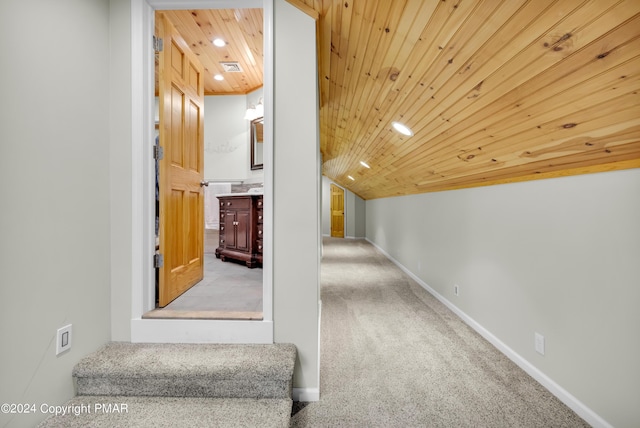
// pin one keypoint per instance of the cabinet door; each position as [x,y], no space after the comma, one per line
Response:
[229,229]
[243,233]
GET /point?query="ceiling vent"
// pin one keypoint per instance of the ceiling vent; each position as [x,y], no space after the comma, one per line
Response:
[231,67]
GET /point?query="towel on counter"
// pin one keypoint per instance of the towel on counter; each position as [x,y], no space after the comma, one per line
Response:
[212,205]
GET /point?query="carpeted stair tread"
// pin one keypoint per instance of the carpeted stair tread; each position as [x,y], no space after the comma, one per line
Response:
[159,412]
[188,370]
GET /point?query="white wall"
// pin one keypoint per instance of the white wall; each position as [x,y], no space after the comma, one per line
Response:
[227,150]
[558,257]
[54,187]
[296,191]
[356,215]
[354,211]
[120,167]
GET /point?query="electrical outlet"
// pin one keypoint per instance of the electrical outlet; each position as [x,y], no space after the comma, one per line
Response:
[539,343]
[456,289]
[63,339]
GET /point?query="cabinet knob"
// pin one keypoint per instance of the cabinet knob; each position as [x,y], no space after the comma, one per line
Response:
[221,227]
[259,247]
[259,232]
[228,204]
[259,217]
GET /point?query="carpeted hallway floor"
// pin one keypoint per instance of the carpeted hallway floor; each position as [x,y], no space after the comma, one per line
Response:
[394,356]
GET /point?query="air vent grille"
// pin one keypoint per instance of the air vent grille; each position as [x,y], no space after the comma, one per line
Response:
[231,67]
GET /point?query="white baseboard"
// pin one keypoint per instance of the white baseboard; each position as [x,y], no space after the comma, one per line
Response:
[306,394]
[563,395]
[319,344]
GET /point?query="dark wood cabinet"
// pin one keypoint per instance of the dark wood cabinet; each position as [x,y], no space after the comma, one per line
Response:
[241,218]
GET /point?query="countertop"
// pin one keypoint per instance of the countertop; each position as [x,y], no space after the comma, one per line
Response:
[239,194]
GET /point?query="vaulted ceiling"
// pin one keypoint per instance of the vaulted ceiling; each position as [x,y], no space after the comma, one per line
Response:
[494,91]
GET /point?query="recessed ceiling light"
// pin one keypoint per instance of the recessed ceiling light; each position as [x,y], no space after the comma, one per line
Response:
[364,164]
[219,43]
[218,77]
[350,177]
[402,128]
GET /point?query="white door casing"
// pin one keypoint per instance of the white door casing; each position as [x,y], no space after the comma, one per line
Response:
[143,196]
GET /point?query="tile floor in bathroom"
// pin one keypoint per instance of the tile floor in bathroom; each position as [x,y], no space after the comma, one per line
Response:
[229,290]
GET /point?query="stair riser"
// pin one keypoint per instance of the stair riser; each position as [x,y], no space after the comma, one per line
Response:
[184,387]
[174,412]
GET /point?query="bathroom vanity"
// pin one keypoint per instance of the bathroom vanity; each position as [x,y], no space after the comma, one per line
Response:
[241,219]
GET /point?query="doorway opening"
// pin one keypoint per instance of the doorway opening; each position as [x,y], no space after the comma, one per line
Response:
[337,211]
[225,289]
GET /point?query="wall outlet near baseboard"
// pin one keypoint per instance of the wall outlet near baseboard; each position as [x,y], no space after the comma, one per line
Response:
[456,289]
[539,343]
[63,339]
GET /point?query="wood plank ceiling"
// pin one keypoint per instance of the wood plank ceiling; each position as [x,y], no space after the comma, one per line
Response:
[495,91]
[241,30]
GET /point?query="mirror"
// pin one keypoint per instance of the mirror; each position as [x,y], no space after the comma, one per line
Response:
[257,143]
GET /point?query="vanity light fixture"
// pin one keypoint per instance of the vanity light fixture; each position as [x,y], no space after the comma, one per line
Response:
[402,128]
[218,77]
[351,178]
[219,42]
[255,111]
[364,164]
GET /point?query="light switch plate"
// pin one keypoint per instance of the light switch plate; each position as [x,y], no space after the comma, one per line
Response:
[63,339]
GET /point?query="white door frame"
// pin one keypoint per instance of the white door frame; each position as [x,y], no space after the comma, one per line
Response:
[143,179]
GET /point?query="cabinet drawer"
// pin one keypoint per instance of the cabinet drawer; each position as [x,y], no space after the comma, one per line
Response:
[235,203]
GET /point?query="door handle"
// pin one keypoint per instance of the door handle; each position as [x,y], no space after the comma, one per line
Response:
[204,183]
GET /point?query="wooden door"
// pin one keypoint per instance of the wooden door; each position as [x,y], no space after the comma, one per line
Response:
[181,99]
[337,211]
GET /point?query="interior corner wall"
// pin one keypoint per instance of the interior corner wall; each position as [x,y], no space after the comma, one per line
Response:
[296,204]
[354,211]
[558,257]
[54,186]
[227,138]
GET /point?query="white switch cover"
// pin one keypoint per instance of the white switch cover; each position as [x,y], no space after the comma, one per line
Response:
[539,343]
[63,339]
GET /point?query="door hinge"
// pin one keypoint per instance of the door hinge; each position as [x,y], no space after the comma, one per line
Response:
[158,152]
[158,260]
[157,44]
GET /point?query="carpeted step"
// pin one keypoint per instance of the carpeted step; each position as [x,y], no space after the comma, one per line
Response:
[171,412]
[188,370]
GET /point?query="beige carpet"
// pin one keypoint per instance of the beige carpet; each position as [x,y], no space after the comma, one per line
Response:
[394,356]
